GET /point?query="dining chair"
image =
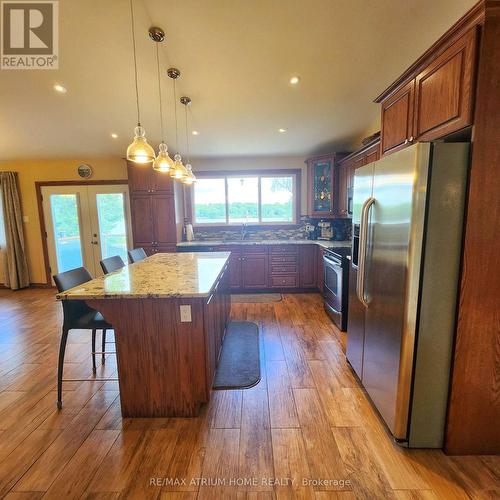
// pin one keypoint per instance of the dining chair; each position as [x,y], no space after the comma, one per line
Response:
[136,255]
[77,315]
[112,264]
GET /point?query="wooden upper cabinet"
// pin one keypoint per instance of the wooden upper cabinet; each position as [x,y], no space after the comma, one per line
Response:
[161,182]
[397,119]
[347,166]
[371,157]
[139,178]
[434,98]
[143,179]
[444,91]
[322,195]
[342,187]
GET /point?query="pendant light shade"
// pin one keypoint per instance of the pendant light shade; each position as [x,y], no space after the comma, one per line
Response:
[163,162]
[140,151]
[188,178]
[179,171]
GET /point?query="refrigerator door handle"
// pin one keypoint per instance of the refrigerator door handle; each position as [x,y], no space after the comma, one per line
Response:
[363,232]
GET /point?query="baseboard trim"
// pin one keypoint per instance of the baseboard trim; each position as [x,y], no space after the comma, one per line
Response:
[32,285]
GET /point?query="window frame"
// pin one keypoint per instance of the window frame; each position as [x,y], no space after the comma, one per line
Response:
[219,174]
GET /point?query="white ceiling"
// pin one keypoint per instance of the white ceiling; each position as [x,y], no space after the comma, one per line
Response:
[236,57]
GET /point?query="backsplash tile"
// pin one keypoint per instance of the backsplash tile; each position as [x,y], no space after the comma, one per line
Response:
[342,231]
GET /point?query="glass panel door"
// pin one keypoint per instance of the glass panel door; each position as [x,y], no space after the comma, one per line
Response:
[86,224]
[67,236]
[68,228]
[109,213]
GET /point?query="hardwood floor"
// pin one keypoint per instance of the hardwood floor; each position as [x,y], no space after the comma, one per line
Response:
[305,431]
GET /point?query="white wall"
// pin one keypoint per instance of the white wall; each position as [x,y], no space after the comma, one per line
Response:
[257,163]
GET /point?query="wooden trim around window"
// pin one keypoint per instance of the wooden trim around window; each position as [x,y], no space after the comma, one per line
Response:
[39,202]
[188,194]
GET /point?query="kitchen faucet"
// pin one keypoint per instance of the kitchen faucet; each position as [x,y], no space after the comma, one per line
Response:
[243,231]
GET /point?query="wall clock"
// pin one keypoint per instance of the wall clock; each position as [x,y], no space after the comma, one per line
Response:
[85,171]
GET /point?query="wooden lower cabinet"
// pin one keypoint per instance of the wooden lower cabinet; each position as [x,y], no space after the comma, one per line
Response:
[271,267]
[308,266]
[254,272]
[235,274]
[217,308]
[320,269]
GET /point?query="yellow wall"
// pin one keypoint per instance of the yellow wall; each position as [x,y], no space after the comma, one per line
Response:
[113,168]
[31,171]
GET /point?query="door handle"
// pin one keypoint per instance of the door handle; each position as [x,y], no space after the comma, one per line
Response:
[363,231]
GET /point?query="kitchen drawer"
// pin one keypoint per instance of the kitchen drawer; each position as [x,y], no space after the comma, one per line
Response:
[228,248]
[284,281]
[283,249]
[284,259]
[254,249]
[283,269]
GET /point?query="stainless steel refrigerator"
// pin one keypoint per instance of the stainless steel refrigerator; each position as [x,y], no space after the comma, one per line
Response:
[408,212]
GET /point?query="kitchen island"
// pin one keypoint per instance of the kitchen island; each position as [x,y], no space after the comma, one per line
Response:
[169,314]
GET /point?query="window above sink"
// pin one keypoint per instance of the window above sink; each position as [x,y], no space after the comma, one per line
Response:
[249,198]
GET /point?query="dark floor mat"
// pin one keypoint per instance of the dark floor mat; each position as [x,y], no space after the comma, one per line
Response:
[239,364]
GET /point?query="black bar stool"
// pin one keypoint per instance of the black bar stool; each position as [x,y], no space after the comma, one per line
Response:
[136,255]
[108,266]
[112,264]
[77,315]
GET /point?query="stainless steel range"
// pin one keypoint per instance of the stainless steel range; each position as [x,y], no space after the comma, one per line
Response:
[336,279]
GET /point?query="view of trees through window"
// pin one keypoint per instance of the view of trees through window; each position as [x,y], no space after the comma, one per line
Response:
[244,199]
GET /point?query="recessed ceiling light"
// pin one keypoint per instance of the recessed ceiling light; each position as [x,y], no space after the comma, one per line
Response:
[195,132]
[60,89]
[282,130]
[114,136]
[294,80]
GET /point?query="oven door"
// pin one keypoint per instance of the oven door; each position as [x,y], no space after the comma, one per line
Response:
[333,284]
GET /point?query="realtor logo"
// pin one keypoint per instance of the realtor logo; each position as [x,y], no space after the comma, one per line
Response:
[30,35]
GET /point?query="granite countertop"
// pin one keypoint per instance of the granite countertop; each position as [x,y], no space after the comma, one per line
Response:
[163,275]
[322,243]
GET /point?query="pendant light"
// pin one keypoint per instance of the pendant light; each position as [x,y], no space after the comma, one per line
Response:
[163,163]
[178,172]
[189,178]
[139,151]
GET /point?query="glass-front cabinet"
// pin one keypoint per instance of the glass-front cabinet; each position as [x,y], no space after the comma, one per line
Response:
[322,177]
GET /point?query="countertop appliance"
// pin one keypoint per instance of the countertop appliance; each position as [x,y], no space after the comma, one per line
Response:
[325,230]
[407,233]
[336,281]
[311,231]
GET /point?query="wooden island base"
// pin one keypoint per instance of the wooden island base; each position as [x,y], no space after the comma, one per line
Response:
[165,366]
[166,361]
